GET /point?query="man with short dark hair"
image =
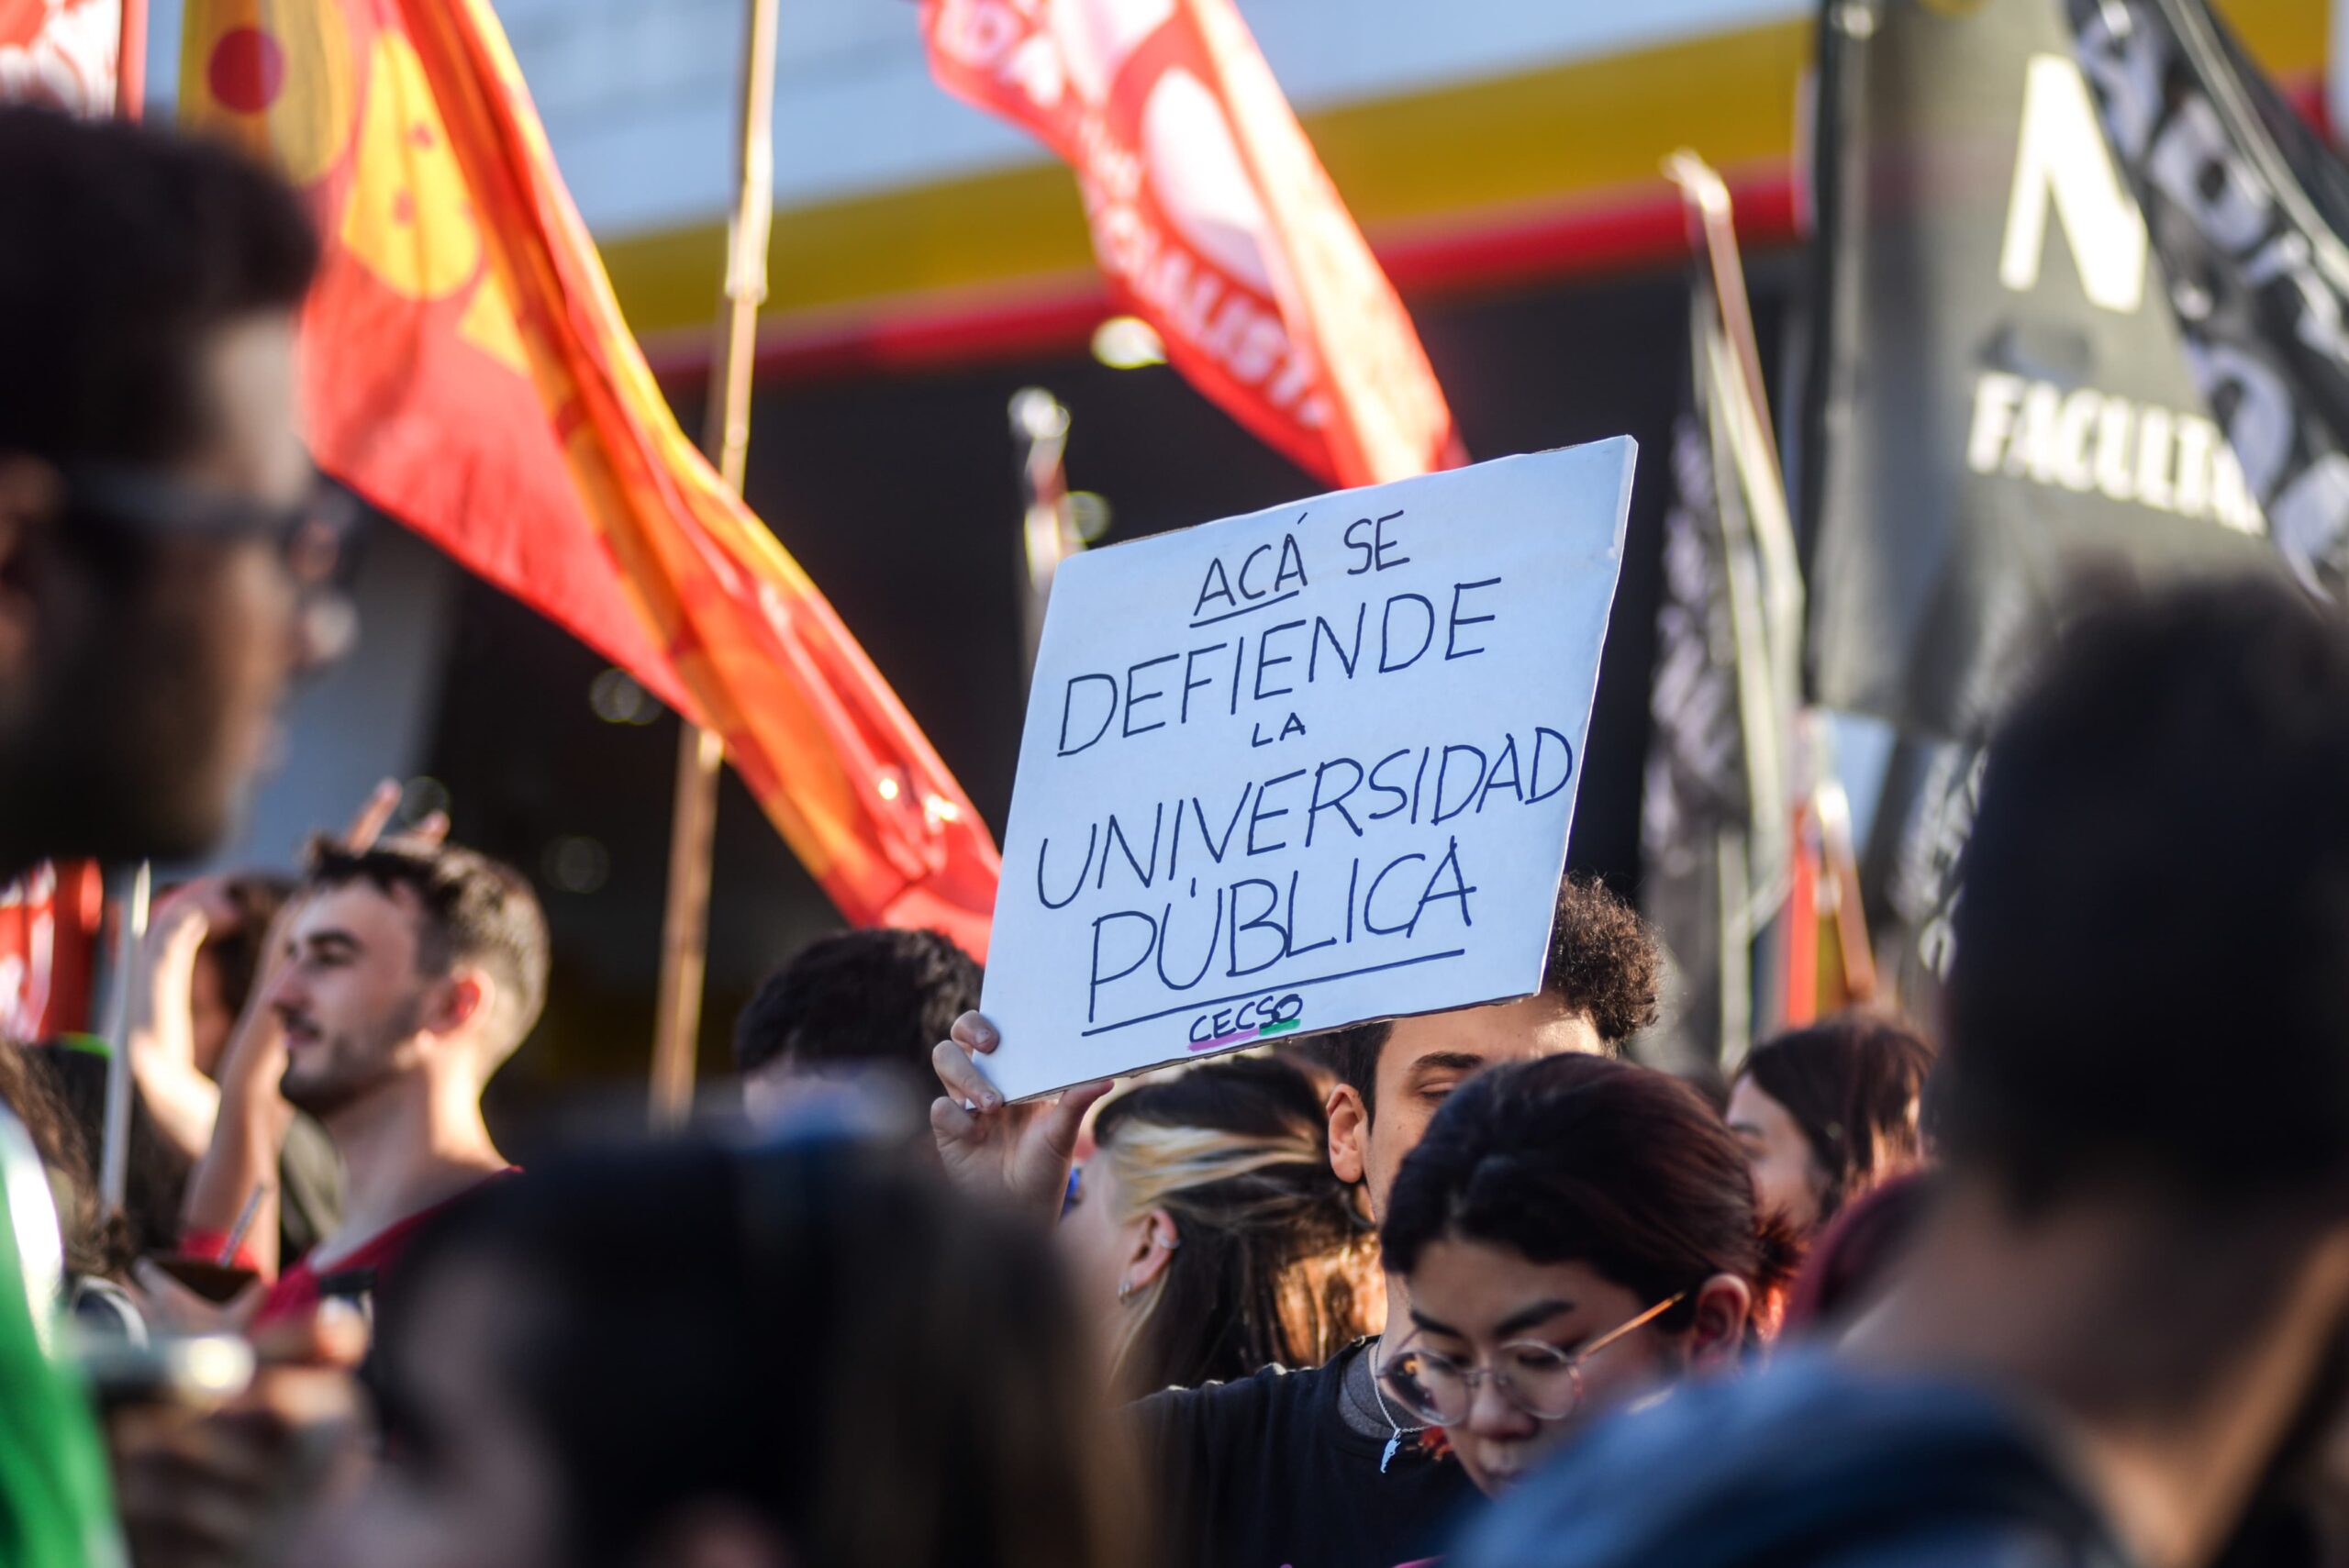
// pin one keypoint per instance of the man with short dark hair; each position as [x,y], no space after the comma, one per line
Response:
[862,1007]
[409,974]
[1315,1463]
[2127,1302]
[157,537]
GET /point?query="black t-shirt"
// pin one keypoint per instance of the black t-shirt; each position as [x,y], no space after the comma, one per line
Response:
[1266,1473]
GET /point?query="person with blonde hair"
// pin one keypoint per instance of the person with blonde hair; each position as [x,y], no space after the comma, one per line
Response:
[1210,1231]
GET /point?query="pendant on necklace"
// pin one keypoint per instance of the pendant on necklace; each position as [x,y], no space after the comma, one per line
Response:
[1386,1458]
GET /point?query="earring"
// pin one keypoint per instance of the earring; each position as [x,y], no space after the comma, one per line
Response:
[1125,1289]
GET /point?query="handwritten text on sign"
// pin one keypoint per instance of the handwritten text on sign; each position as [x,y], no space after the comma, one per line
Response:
[1297,770]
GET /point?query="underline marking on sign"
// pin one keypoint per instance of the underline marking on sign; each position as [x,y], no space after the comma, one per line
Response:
[1249,609]
[1273,986]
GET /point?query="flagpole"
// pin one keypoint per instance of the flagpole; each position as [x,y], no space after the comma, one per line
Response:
[685,938]
[122,1016]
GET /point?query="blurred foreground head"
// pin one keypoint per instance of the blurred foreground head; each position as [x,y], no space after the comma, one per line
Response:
[155,531]
[806,1355]
[2151,984]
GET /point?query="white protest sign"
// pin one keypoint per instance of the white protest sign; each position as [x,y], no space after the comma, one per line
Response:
[1292,771]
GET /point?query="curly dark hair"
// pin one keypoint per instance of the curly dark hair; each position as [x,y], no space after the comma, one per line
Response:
[1604,963]
[1592,1161]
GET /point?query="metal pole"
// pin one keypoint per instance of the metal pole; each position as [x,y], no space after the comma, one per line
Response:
[684,939]
[122,1012]
[1040,429]
[130,63]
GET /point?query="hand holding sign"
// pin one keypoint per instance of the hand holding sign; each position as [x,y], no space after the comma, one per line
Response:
[985,1144]
[1289,771]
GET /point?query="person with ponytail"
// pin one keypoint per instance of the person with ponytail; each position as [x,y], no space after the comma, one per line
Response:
[1578,1233]
[1210,1231]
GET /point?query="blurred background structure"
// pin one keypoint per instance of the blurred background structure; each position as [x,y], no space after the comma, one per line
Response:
[1504,157]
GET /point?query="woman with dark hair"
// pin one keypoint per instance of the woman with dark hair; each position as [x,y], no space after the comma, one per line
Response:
[1828,1112]
[810,1355]
[1577,1233]
[1210,1229]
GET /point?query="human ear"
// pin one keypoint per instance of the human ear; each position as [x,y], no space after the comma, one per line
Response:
[1154,1242]
[463,999]
[1716,1333]
[1349,1132]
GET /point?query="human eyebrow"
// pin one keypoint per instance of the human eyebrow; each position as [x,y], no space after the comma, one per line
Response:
[1421,1321]
[1531,1317]
[1447,1061]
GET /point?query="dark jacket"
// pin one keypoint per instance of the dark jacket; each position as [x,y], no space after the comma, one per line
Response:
[1806,1465]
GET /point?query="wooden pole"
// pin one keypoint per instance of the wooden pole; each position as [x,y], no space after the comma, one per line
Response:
[685,938]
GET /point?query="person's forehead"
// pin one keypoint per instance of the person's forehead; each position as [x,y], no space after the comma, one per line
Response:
[1477,1286]
[358,907]
[1508,1031]
[1751,1105]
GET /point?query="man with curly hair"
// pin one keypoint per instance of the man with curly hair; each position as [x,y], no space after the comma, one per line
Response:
[1599,989]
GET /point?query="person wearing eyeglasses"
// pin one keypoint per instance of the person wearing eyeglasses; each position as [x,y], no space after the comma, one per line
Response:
[165,548]
[1579,1234]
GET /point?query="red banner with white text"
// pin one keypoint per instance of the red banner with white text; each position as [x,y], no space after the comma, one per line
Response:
[62,53]
[1212,219]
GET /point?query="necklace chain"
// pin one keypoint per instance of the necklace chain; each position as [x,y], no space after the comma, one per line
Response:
[1397,1431]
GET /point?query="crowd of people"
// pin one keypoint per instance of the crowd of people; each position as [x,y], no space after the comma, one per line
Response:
[2073,1291]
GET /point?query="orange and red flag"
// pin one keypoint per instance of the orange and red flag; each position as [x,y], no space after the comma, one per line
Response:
[467,369]
[1212,219]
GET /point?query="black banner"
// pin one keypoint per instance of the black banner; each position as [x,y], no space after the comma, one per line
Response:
[1695,805]
[2246,208]
[2000,388]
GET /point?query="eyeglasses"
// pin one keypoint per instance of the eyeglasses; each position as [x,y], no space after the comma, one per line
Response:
[309,535]
[1539,1379]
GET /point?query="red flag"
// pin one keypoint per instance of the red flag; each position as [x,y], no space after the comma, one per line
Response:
[466,368]
[1212,219]
[49,948]
[65,52]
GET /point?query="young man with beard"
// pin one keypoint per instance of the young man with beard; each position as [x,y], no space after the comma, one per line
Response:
[1317,1465]
[408,976]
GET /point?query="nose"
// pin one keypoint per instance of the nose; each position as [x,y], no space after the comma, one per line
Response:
[1492,1414]
[287,993]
